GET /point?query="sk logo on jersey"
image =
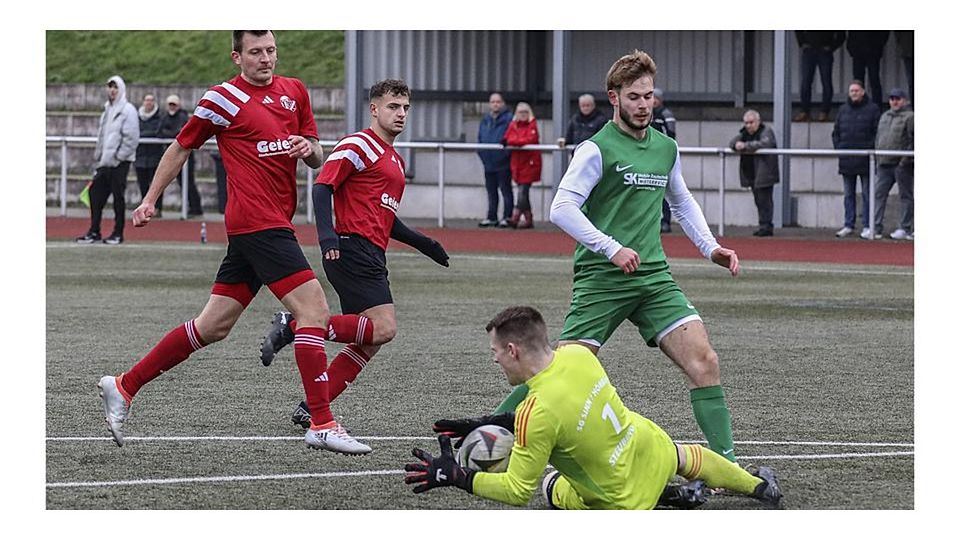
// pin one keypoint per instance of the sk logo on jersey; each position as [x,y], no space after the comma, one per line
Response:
[288,104]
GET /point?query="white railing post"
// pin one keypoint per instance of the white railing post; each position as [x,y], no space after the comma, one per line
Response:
[723,188]
[871,202]
[309,195]
[63,178]
[183,189]
[440,186]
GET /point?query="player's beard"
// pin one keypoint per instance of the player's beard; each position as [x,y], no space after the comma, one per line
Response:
[627,120]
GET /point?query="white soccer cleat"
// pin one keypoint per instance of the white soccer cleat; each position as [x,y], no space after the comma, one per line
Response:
[115,407]
[332,436]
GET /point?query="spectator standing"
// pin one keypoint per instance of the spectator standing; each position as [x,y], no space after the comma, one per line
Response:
[583,124]
[866,50]
[759,173]
[666,123]
[855,129]
[525,165]
[148,155]
[221,180]
[895,132]
[117,139]
[496,163]
[816,53]
[905,47]
[170,125]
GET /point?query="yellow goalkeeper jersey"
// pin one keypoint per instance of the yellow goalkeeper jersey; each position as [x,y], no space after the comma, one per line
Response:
[574,419]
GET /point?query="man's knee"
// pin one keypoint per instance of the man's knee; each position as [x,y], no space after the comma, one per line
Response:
[384,330]
[704,370]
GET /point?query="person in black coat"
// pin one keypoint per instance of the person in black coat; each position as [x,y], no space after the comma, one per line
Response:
[866,50]
[148,155]
[171,123]
[855,129]
[816,52]
[758,172]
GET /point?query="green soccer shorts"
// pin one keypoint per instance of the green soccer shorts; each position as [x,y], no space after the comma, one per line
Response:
[652,301]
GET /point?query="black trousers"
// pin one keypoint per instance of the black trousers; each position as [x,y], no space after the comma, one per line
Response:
[763,198]
[194,205]
[109,181]
[523,197]
[814,59]
[863,64]
[144,178]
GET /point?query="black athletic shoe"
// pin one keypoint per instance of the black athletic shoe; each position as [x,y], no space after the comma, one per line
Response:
[301,415]
[278,336]
[113,239]
[684,496]
[89,238]
[769,490]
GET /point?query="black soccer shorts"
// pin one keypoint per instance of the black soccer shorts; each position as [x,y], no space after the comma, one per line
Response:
[360,275]
[271,256]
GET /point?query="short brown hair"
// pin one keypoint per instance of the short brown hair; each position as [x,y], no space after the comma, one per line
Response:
[394,87]
[629,68]
[522,325]
[238,37]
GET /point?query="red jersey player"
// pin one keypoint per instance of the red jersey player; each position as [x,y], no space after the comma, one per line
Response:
[263,124]
[365,177]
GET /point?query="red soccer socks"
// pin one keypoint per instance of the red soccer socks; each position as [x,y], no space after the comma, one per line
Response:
[174,348]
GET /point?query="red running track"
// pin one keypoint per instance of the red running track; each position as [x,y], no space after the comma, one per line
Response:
[542,242]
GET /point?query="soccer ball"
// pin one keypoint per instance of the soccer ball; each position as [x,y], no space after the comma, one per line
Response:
[486,449]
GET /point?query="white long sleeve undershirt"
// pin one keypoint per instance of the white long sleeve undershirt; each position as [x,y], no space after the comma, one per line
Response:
[584,174]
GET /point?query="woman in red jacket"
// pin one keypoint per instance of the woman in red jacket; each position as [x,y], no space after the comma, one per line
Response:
[525,165]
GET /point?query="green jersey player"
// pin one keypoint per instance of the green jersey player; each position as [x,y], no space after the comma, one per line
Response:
[610,200]
[606,456]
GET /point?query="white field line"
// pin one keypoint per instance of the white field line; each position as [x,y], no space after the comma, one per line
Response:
[789,267]
[268,477]
[252,438]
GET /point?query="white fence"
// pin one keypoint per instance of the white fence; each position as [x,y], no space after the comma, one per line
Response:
[441,147]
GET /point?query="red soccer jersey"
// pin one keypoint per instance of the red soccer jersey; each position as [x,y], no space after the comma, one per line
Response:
[367,177]
[252,124]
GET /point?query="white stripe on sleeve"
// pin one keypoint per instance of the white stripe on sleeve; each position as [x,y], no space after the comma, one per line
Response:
[223,102]
[207,114]
[237,93]
[350,156]
[362,143]
[370,140]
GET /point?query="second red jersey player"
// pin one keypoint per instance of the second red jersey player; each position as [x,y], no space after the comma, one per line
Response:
[365,178]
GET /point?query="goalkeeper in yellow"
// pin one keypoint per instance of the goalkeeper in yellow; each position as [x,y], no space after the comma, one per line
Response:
[606,456]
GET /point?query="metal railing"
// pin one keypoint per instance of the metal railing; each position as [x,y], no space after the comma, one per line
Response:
[442,147]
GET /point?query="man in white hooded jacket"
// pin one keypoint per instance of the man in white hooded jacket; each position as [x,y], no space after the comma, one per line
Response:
[117,140]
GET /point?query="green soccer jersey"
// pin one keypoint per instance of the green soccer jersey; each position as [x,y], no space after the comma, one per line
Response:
[574,419]
[619,183]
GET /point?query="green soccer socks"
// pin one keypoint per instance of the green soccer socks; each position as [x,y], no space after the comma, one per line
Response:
[712,416]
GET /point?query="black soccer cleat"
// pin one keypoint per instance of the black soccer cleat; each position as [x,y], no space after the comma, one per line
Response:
[768,491]
[278,336]
[301,415]
[684,496]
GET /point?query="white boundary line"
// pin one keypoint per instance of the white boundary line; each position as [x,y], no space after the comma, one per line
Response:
[528,259]
[248,438]
[337,474]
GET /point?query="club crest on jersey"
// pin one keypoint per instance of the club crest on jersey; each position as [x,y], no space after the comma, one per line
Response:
[288,104]
[389,202]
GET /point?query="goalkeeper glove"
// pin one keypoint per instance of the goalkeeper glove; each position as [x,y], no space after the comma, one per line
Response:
[435,251]
[439,471]
[462,427]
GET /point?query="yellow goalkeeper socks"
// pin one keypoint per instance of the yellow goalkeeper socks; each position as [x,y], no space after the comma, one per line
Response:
[716,471]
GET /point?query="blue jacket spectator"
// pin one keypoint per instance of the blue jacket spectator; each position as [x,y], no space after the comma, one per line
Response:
[492,129]
[856,129]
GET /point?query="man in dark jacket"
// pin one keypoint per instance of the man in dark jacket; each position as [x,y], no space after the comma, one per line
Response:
[855,129]
[148,154]
[496,163]
[866,50]
[170,125]
[816,52]
[583,124]
[759,173]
